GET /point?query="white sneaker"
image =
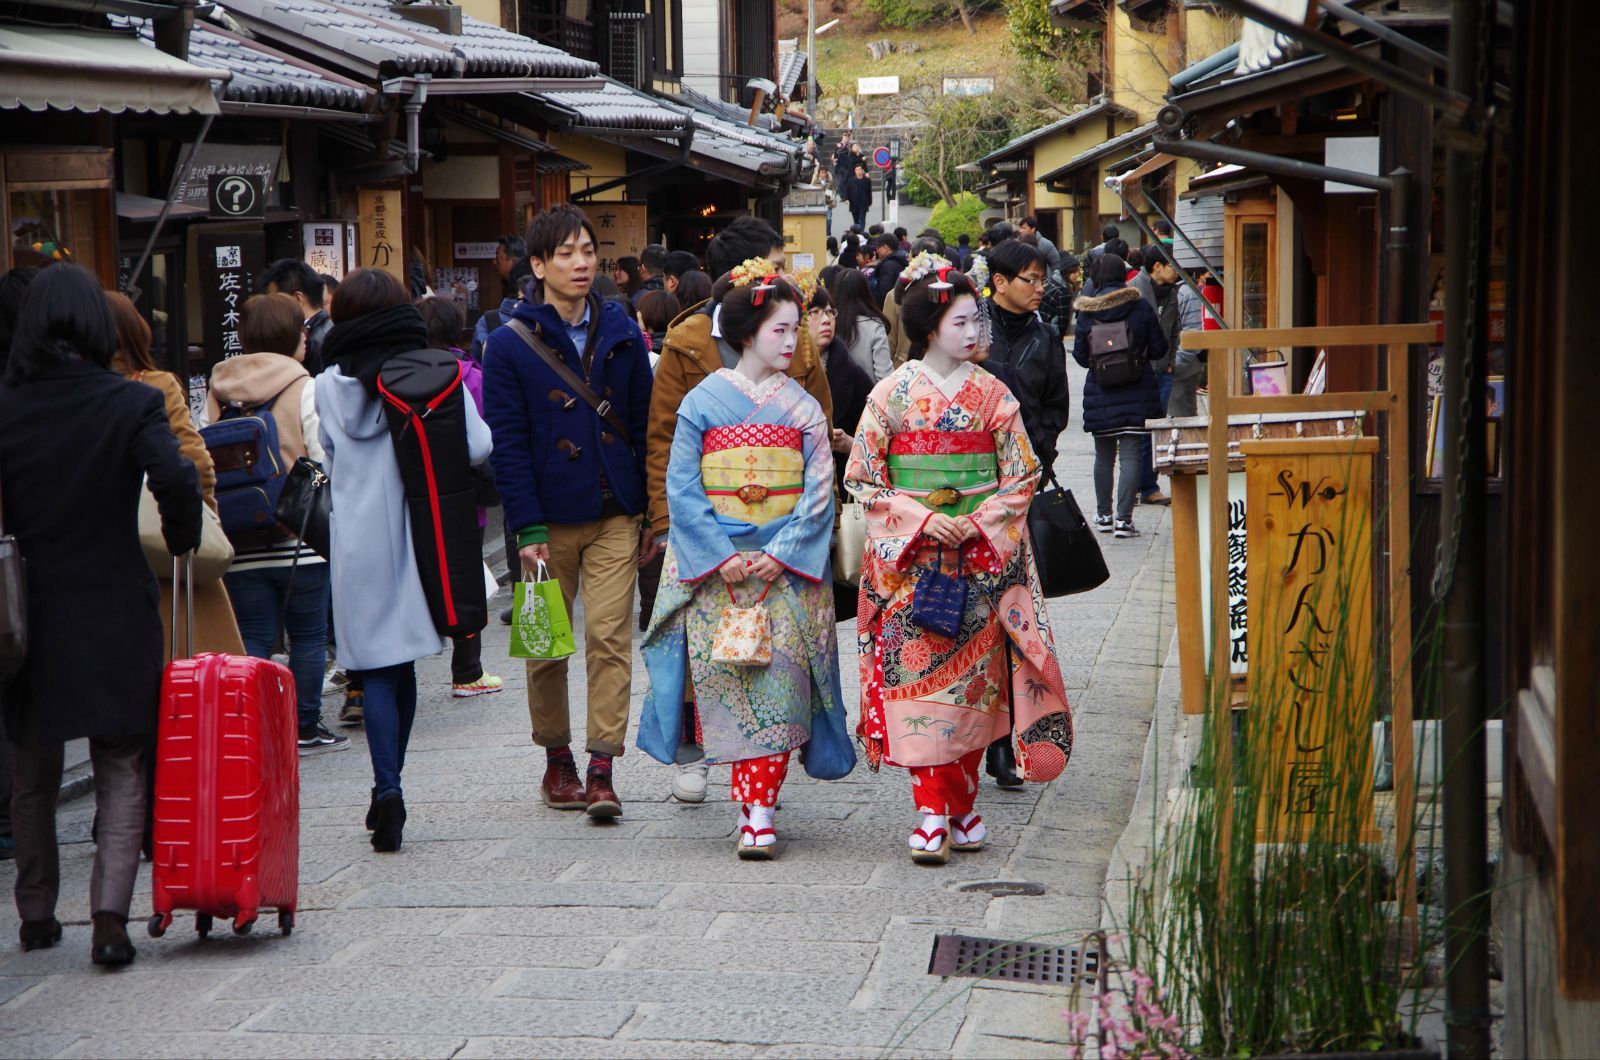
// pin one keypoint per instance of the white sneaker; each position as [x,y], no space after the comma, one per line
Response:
[335,681]
[690,783]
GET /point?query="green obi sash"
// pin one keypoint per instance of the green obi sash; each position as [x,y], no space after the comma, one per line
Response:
[951,472]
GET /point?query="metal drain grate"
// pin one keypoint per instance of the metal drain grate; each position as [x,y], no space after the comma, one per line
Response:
[965,957]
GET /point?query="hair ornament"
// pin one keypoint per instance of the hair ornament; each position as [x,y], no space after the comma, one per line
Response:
[805,280]
[753,271]
[759,295]
[942,285]
[924,263]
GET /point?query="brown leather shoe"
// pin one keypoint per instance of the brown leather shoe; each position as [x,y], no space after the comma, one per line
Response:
[562,790]
[603,801]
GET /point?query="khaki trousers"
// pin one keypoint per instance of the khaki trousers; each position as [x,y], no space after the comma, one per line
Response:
[602,560]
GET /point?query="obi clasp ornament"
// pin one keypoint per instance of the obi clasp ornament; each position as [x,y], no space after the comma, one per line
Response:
[752,494]
[944,497]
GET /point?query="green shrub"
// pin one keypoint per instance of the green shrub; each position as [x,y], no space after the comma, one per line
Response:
[952,221]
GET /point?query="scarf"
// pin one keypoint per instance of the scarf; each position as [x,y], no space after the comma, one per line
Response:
[360,347]
[1011,325]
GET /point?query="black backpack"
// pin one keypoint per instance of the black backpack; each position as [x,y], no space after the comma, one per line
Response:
[1112,359]
[425,404]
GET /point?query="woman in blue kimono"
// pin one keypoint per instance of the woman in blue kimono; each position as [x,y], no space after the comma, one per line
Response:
[750,492]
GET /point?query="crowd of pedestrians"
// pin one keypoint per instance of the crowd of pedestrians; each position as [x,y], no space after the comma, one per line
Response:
[688,430]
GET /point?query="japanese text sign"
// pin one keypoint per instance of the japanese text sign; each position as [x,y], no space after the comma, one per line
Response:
[382,241]
[229,264]
[1310,576]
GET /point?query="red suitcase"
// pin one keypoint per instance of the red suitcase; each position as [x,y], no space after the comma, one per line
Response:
[227,802]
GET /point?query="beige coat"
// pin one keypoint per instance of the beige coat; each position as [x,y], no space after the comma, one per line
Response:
[215,628]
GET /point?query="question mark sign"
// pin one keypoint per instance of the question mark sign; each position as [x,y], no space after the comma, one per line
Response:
[238,188]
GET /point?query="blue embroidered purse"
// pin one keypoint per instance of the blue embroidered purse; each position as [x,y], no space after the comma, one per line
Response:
[940,599]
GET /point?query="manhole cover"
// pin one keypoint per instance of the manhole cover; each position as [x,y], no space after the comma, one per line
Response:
[967,957]
[1003,888]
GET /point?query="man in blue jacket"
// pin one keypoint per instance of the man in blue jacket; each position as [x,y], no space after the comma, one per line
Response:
[571,474]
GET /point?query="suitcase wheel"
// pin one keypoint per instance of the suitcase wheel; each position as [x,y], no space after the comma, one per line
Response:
[202,924]
[243,926]
[158,924]
[286,921]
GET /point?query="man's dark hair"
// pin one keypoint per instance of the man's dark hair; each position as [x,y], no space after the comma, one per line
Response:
[679,262]
[1008,259]
[64,316]
[999,232]
[1155,254]
[654,258]
[964,240]
[1031,221]
[890,243]
[366,291]
[1162,228]
[554,226]
[1030,238]
[1117,247]
[443,319]
[900,233]
[1134,258]
[747,237]
[293,276]
[521,269]
[513,246]
[1109,231]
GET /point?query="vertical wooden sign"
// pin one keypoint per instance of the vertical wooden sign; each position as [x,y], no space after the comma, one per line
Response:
[1310,523]
[382,241]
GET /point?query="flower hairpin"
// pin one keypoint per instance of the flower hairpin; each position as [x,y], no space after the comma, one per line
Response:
[755,272]
[924,263]
[806,281]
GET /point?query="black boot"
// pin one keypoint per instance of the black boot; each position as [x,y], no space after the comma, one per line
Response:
[1000,762]
[110,947]
[390,823]
[39,934]
[372,812]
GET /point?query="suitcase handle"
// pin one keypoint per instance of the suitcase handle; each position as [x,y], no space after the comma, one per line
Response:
[185,564]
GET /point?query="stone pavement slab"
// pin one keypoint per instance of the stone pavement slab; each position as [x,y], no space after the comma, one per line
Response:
[505,928]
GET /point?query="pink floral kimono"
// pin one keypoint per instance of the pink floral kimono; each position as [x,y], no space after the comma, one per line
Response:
[930,703]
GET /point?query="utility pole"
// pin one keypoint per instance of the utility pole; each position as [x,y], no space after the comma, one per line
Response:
[811,68]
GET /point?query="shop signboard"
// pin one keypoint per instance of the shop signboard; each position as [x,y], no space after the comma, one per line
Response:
[622,229]
[382,239]
[236,196]
[1310,523]
[476,251]
[212,159]
[322,246]
[229,264]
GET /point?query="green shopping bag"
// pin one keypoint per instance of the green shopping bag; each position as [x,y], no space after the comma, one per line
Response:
[540,628]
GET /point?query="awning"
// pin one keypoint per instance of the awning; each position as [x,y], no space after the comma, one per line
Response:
[73,69]
[143,209]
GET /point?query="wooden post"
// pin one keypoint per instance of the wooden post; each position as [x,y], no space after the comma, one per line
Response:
[1219,382]
[1397,429]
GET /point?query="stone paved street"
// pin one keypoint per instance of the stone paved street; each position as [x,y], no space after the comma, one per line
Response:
[508,929]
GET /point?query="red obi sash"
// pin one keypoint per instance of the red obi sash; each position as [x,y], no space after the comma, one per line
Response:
[940,443]
[764,435]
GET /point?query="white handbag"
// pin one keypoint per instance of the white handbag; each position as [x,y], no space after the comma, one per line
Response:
[211,560]
[851,543]
[744,634]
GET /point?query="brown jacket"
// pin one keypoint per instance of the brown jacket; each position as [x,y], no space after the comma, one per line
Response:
[688,355]
[190,443]
[899,341]
[257,378]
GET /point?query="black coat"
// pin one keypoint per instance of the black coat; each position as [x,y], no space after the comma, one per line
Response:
[75,444]
[1119,408]
[887,273]
[850,385]
[1030,361]
[858,193]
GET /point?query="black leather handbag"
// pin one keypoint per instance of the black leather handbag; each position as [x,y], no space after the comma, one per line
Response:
[306,504]
[940,600]
[13,605]
[1064,545]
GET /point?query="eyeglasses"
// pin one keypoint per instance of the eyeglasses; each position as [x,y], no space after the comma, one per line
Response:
[825,312]
[1037,281]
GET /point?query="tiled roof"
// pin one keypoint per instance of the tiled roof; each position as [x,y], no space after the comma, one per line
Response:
[791,68]
[1026,139]
[1126,141]
[366,36]
[617,106]
[262,75]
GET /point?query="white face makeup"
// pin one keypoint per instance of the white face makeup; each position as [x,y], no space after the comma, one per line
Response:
[771,348]
[957,337]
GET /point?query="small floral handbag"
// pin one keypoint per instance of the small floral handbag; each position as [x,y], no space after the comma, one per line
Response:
[940,600]
[744,634]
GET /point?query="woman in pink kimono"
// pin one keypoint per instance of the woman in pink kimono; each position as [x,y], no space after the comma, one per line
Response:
[943,465]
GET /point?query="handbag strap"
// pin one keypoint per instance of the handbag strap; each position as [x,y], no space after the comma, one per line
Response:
[299,543]
[559,366]
[760,599]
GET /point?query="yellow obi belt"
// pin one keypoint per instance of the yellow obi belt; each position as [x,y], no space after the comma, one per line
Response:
[753,472]
[951,472]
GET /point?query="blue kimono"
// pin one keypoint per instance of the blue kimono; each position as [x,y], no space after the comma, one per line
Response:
[751,471]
